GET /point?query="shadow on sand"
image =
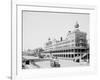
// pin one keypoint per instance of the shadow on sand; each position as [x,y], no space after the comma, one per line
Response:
[33,63]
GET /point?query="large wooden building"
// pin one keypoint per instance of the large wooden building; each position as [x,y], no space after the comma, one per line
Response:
[73,46]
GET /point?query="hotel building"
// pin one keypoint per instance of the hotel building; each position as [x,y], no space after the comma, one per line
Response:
[73,46]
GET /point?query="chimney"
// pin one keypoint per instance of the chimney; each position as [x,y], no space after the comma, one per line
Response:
[69,31]
[61,38]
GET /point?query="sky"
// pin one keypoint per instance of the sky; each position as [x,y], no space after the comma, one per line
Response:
[39,26]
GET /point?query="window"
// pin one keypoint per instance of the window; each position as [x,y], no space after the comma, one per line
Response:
[72,55]
[75,55]
[75,50]
[69,55]
[72,44]
[72,40]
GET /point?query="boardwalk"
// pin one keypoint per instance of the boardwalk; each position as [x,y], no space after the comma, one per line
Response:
[45,63]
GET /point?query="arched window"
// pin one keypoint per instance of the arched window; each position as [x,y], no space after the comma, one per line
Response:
[72,55]
[75,55]
[69,55]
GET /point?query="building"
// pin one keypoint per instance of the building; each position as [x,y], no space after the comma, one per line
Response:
[73,46]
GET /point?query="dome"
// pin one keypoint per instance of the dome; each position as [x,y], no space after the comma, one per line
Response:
[76,25]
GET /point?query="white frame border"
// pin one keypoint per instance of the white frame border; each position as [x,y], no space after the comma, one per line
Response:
[50,72]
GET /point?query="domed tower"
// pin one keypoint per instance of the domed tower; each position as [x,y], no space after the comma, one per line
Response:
[80,38]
